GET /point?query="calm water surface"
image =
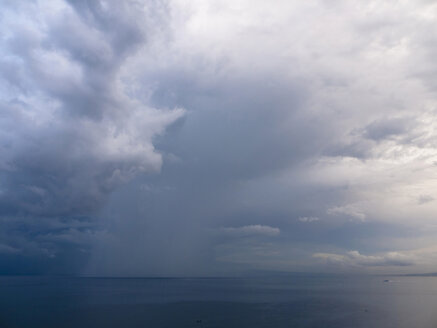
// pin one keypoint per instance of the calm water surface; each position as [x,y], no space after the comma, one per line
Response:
[294,301]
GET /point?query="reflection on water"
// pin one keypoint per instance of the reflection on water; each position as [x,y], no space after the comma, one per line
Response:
[294,301]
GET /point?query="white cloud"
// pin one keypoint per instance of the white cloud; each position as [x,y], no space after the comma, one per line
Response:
[250,230]
[308,219]
[354,258]
[350,210]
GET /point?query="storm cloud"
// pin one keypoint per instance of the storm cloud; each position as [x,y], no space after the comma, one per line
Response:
[218,137]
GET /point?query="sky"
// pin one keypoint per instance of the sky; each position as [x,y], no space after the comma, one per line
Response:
[219,137]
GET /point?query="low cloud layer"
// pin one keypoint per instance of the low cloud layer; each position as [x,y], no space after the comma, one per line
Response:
[308,219]
[251,230]
[354,258]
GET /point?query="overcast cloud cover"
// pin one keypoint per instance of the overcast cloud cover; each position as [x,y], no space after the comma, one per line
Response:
[218,137]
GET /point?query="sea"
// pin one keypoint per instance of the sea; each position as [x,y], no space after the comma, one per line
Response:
[295,300]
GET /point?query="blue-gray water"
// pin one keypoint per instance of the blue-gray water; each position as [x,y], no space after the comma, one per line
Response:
[294,301]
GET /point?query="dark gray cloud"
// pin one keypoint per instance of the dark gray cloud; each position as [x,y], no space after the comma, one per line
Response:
[71,133]
[383,129]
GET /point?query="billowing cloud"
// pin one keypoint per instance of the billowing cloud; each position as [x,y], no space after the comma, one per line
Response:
[72,128]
